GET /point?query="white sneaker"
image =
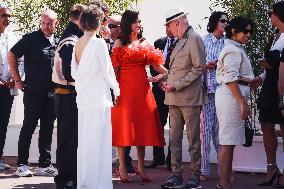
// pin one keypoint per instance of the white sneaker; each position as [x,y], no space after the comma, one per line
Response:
[47,171]
[24,171]
[3,165]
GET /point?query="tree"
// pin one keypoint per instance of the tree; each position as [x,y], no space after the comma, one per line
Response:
[26,13]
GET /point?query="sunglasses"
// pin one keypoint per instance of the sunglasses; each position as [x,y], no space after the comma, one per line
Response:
[246,31]
[223,21]
[270,13]
[111,26]
[5,15]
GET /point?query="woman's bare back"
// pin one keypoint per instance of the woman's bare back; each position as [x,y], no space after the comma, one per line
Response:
[80,46]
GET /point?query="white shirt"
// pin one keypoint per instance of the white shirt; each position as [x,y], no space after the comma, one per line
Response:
[7,41]
[50,38]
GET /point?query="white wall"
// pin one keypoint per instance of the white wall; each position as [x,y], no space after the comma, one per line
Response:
[153,15]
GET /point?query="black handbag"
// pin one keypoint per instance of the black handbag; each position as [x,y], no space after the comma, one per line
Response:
[249,132]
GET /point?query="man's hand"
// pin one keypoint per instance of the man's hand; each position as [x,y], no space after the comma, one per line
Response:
[167,87]
[156,79]
[254,84]
[10,84]
[20,85]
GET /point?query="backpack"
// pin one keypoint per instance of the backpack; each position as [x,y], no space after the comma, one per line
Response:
[57,75]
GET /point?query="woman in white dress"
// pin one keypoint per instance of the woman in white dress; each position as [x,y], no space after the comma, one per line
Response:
[94,76]
[234,74]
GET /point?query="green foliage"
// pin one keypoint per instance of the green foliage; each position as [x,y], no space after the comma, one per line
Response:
[26,13]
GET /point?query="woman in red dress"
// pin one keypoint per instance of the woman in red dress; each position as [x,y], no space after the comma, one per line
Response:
[135,119]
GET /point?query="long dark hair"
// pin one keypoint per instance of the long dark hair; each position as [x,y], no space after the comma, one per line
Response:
[128,18]
[238,23]
[214,20]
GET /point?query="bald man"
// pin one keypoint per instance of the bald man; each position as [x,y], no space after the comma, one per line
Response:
[38,50]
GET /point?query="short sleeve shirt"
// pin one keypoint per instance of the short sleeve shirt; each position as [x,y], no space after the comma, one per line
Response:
[38,60]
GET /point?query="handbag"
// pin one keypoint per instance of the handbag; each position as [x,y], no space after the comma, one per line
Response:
[249,132]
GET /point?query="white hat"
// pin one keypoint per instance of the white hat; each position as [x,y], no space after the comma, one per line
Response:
[174,14]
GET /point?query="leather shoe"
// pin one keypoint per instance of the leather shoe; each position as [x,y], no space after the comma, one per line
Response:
[154,164]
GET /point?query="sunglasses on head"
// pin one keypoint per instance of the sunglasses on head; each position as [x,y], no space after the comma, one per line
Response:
[111,26]
[223,21]
[246,31]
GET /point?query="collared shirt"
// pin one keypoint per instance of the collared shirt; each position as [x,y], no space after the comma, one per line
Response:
[213,47]
[38,62]
[233,64]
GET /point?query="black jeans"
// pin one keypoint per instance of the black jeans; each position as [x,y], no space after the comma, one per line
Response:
[67,137]
[37,107]
[6,101]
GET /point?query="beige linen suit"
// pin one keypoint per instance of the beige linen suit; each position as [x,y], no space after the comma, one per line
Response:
[187,64]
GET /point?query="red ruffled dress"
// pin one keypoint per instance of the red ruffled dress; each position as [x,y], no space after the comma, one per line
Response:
[135,121]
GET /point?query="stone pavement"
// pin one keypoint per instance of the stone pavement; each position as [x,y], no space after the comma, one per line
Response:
[9,181]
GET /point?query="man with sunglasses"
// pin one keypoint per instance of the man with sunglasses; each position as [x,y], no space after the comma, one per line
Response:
[7,83]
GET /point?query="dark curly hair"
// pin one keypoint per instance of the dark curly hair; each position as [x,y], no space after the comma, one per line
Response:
[238,23]
[214,20]
[128,18]
[278,10]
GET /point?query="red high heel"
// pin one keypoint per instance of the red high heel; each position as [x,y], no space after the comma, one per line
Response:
[144,179]
[122,180]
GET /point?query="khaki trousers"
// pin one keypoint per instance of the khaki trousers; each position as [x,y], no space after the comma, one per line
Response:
[189,116]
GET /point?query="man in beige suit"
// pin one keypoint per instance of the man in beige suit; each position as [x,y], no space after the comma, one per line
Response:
[185,96]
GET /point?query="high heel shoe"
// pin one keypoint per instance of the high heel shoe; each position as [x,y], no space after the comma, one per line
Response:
[277,175]
[122,180]
[144,179]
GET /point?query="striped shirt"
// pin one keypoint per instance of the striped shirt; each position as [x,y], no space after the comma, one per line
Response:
[213,48]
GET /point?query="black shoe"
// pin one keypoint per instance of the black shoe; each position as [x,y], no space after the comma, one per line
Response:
[173,181]
[155,164]
[270,182]
[193,183]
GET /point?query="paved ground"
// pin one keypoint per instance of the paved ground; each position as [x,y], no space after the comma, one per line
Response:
[9,181]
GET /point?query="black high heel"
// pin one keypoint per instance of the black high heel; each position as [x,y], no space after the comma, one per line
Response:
[278,185]
[277,175]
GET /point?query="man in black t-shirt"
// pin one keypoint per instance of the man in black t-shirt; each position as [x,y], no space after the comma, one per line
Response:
[38,50]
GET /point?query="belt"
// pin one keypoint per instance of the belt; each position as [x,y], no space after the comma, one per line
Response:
[70,87]
[241,82]
[60,90]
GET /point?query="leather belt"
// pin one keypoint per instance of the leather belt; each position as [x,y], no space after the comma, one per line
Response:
[241,82]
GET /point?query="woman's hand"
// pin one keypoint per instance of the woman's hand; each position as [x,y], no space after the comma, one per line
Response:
[115,103]
[156,79]
[245,111]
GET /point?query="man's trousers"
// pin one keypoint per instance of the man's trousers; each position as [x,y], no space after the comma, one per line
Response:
[37,106]
[67,137]
[6,101]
